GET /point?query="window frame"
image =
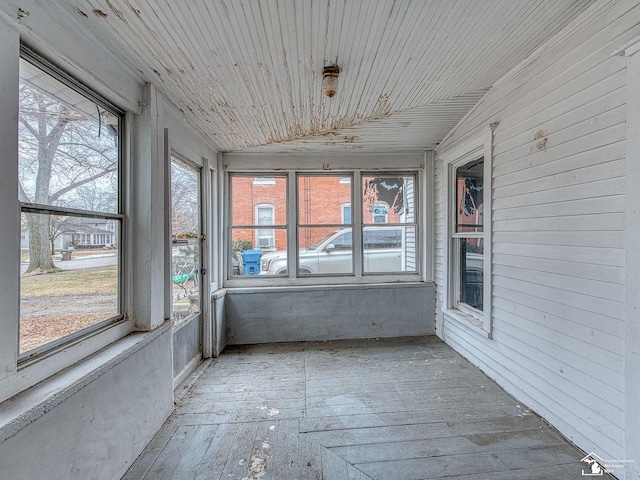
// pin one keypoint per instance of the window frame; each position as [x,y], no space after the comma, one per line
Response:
[87,335]
[456,240]
[187,164]
[227,267]
[475,148]
[272,210]
[344,208]
[294,170]
[295,274]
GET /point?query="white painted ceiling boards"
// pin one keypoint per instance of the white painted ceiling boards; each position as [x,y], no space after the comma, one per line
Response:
[248,73]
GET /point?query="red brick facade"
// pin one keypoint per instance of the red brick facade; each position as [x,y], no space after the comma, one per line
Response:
[321,201]
[247,193]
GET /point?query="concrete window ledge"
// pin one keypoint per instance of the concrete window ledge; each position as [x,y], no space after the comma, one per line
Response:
[26,407]
[466,321]
[314,288]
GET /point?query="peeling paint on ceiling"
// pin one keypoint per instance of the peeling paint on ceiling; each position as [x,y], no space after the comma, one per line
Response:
[248,73]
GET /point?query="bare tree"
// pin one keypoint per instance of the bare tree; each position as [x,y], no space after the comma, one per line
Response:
[60,151]
[184,200]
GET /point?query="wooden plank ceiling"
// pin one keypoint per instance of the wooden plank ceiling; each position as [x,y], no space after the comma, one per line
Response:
[248,73]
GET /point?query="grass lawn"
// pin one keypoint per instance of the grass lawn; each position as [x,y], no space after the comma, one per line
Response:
[58,304]
[103,280]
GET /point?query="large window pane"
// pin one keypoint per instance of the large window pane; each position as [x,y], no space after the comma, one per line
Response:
[385,249]
[246,195]
[68,146]
[471,259]
[321,199]
[329,251]
[185,240]
[388,199]
[258,223]
[470,197]
[324,218]
[390,231]
[81,290]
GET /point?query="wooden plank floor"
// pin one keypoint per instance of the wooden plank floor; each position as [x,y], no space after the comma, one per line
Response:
[396,409]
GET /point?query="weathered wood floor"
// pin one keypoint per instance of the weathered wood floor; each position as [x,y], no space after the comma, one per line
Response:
[396,409]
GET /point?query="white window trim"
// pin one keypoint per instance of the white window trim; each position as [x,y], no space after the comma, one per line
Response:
[16,377]
[267,226]
[631,50]
[480,145]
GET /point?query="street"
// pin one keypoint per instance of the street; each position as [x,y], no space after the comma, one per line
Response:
[90,261]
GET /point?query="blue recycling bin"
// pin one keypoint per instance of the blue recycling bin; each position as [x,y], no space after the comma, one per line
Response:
[251,262]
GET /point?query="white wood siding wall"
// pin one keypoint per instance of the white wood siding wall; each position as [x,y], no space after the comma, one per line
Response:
[558,229]
[411,245]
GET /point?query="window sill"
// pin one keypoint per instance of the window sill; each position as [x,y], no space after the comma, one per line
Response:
[260,282]
[26,407]
[325,286]
[466,321]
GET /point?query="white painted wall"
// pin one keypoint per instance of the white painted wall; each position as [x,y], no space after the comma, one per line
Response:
[296,314]
[558,231]
[108,415]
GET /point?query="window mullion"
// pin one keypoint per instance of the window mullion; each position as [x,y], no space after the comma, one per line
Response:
[454,294]
[356,212]
[292,222]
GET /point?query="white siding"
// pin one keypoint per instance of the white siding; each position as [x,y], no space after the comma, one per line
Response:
[410,238]
[558,230]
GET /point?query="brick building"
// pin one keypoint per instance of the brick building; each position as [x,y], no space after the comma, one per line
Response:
[322,200]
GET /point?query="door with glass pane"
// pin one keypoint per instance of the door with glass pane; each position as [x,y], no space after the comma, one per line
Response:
[186,261]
